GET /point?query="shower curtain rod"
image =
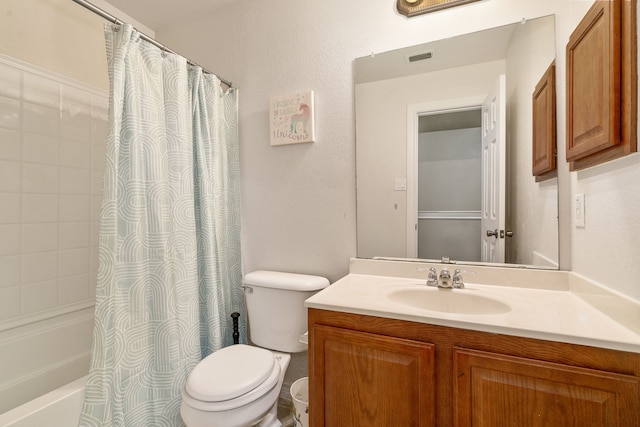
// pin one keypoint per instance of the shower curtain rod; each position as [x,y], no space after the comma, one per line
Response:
[95,9]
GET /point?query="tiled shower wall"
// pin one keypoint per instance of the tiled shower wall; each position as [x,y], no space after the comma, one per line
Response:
[52,153]
[52,149]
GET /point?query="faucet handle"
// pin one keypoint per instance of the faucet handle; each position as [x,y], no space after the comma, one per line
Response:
[432,276]
[457,277]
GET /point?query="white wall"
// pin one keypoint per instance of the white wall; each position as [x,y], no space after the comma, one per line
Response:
[532,206]
[299,202]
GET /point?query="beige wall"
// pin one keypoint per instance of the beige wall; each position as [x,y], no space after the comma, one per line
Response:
[55,34]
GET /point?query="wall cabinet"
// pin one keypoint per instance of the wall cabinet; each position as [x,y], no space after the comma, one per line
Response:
[602,85]
[370,371]
[544,126]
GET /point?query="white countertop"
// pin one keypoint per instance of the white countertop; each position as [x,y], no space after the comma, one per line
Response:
[553,308]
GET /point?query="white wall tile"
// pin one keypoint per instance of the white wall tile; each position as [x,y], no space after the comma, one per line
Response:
[10,270]
[41,90]
[39,267]
[97,181]
[40,120]
[9,113]
[9,302]
[10,241]
[74,262]
[96,206]
[39,208]
[73,288]
[39,296]
[74,235]
[100,108]
[10,176]
[93,262]
[98,156]
[40,149]
[75,155]
[51,134]
[75,208]
[76,127]
[75,181]
[10,148]
[10,208]
[42,179]
[99,132]
[39,237]
[95,233]
[10,81]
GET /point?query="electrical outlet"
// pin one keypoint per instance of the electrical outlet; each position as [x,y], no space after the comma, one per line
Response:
[579,209]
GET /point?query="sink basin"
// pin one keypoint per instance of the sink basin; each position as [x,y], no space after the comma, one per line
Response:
[448,301]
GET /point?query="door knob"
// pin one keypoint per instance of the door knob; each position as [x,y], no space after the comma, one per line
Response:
[493,233]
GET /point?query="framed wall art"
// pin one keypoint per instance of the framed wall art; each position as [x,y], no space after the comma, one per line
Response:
[411,8]
[291,119]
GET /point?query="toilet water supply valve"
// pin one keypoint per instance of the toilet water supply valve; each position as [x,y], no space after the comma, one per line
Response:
[236,333]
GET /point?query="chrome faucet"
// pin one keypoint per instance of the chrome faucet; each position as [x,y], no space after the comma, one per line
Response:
[457,278]
[444,279]
[432,277]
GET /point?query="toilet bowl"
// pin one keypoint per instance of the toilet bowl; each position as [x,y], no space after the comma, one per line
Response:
[239,385]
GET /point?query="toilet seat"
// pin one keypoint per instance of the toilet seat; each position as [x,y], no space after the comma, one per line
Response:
[231,377]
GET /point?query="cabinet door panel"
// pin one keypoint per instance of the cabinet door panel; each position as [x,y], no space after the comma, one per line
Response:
[361,379]
[593,82]
[494,390]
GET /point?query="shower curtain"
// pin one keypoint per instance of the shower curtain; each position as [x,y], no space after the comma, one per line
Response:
[170,266]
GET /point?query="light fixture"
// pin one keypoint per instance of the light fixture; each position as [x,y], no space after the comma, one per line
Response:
[418,7]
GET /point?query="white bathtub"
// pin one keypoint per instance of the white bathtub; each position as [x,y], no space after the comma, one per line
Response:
[59,408]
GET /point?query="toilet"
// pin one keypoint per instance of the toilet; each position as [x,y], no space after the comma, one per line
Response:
[239,385]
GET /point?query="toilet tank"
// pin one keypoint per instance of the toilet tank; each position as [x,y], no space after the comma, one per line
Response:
[275,308]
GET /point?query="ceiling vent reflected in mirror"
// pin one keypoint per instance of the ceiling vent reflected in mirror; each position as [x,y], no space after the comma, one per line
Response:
[420,57]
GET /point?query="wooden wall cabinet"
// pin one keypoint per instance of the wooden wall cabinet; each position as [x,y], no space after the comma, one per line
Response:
[544,125]
[375,372]
[602,85]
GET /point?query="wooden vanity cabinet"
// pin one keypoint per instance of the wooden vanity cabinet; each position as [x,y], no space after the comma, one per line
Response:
[371,371]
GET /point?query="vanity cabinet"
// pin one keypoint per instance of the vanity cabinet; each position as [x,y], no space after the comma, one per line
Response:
[369,379]
[371,371]
[494,389]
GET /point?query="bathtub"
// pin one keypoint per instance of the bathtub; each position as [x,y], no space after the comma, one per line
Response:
[59,408]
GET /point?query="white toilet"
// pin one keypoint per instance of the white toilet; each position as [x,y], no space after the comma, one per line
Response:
[239,385]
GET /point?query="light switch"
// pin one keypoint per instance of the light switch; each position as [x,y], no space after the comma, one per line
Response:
[401,184]
[579,208]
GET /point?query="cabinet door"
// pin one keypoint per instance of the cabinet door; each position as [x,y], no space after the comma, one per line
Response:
[593,82]
[368,380]
[494,390]
[544,123]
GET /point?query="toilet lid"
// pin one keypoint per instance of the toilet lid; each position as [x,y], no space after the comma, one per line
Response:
[230,372]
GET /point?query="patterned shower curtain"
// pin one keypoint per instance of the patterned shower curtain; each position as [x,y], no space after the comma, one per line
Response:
[170,269]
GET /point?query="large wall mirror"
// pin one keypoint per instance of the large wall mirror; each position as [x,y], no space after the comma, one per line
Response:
[444,150]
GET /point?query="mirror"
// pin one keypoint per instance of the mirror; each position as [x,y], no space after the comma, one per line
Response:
[423,177]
